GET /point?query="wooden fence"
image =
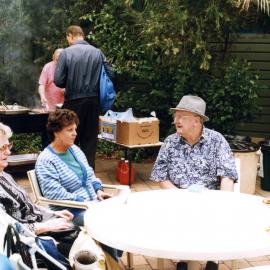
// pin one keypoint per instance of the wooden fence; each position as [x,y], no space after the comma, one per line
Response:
[256,49]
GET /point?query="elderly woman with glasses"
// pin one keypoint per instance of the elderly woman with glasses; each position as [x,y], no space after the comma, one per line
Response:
[15,201]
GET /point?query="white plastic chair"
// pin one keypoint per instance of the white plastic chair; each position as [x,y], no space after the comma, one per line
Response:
[30,242]
[40,199]
[120,190]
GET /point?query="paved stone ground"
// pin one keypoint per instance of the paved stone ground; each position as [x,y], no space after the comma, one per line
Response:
[105,170]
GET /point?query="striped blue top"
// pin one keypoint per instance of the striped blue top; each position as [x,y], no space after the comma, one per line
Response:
[59,182]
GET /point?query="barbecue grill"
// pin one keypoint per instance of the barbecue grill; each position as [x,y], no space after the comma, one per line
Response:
[13,109]
[23,120]
[22,159]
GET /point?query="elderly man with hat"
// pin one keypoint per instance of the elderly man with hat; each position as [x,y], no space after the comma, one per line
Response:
[194,156]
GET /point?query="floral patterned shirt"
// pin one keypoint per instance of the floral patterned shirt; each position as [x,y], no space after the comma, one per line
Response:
[202,163]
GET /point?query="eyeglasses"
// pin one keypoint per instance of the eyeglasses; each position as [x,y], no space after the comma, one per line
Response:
[6,147]
[182,118]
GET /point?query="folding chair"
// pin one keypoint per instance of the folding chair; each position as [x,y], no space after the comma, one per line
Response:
[33,250]
[30,244]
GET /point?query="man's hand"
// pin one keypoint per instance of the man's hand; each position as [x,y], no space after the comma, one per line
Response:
[167,184]
[103,195]
[226,184]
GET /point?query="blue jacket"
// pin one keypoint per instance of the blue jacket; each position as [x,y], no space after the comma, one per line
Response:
[59,182]
[78,70]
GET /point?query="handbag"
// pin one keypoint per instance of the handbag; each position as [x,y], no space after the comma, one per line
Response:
[66,236]
[86,260]
[49,246]
[64,239]
[84,246]
[106,91]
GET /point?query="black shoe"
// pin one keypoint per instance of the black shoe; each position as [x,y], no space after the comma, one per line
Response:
[211,266]
[181,266]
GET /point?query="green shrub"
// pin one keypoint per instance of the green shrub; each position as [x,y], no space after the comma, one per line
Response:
[107,149]
[26,143]
[230,93]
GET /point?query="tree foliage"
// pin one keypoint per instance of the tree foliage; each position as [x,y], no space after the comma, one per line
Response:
[15,53]
[163,47]
[158,49]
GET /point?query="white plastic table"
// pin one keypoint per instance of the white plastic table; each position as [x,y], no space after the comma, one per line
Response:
[183,225]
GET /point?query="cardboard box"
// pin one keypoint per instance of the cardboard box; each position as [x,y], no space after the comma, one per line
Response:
[107,128]
[144,131]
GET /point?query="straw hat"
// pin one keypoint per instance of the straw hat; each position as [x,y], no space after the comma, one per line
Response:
[192,104]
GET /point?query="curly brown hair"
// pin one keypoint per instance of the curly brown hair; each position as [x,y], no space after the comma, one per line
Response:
[59,119]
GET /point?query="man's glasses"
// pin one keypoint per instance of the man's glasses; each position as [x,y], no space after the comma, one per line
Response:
[6,147]
[181,118]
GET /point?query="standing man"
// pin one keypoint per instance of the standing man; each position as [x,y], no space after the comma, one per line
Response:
[194,155]
[78,70]
[49,93]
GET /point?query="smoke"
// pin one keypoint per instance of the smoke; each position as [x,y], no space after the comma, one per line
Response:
[30,31]
[18,73]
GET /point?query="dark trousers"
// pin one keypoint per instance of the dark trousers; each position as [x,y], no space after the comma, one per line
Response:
[88,111]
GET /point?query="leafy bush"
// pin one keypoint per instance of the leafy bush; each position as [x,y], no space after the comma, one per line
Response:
[230,93]
[158,50]
[111,150]
[232,99]
[107,149]
[26,143]
[164,44]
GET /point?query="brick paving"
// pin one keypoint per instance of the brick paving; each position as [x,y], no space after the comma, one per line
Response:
[105,170]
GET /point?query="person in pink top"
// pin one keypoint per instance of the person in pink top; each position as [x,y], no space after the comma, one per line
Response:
[50,94]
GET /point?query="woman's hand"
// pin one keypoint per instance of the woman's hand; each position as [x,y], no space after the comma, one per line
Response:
[64,214]
[103,195]
[52,225]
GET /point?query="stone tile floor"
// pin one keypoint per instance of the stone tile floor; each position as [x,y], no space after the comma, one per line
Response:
[105,170]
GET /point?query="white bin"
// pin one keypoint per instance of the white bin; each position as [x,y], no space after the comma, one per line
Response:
[249,159]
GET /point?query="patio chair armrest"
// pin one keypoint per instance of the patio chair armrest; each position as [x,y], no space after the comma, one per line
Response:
[120,190]
[64,203]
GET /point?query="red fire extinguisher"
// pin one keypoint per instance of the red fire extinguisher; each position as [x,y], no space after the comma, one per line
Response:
[117,171]
[124,174]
